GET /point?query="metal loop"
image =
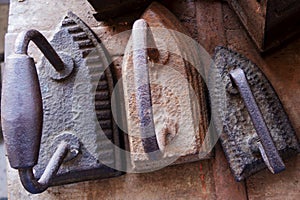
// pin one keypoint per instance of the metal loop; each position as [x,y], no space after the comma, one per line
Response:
[41,42]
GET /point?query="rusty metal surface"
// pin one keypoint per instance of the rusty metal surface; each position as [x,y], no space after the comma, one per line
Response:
[41,42]
[177,94]
[22,122]
[79,104]
[269,22]
[239,136]
[35,186]
[21,114]
[265,143]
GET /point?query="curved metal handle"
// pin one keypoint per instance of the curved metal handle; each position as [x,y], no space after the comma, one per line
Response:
[22,42]
[266,145]
[140,38]
[35,186]
[22,111]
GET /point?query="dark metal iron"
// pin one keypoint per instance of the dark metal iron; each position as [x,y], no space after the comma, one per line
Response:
[80,104]
[142,83]
[269,152]
[107,9]
[41,42]
[37,186]
[74,96]
[22,112]
[256,130]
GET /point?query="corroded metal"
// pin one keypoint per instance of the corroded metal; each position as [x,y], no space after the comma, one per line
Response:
[240,140]
[22,113]
[268,151]
[81,105]
[64,112]
[41,42]
[178,103]
[37,186]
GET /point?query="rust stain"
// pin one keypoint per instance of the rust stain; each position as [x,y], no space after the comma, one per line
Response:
[203,182]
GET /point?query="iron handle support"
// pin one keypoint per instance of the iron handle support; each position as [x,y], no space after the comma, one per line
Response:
[22,112]
[22,42]
[37,186]
[266,145]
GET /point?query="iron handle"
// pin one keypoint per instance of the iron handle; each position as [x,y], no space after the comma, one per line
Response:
[35,186]
[266,145]
[141,36]
[22,42]
[22,112]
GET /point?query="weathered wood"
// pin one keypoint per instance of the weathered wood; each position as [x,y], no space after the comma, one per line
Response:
[285,185]
[211,33]
[188,181]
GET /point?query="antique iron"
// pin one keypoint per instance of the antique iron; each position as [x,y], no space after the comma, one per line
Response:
[268,22]
[164,94]
[63,111]
[256,129]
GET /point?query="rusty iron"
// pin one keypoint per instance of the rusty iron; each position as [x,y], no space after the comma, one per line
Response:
[37,109]
[37,186]
[81,104]
[256,130]
[269,22]
[142,83]
[163,93]
[22,112]
[267,147]
[22,42]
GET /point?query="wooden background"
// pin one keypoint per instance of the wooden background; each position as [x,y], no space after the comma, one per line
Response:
[211,23]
